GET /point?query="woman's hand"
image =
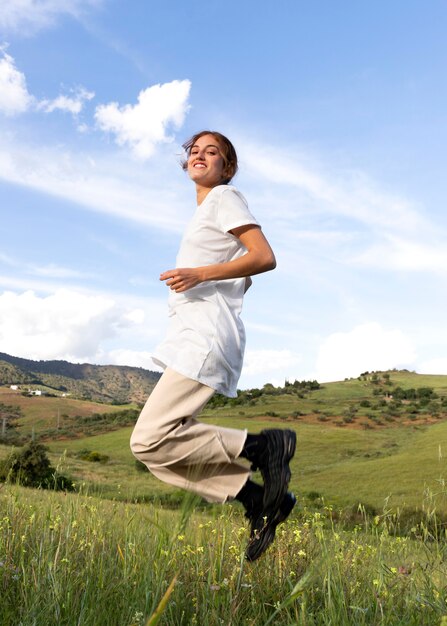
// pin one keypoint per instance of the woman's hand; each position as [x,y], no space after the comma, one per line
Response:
[259,258]
[182,278]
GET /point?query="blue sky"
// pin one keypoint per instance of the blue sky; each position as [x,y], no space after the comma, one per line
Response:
[338,112]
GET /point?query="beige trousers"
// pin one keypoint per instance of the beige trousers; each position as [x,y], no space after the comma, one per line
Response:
[182,451]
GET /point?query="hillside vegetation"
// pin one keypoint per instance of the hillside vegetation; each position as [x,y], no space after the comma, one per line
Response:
[371,401]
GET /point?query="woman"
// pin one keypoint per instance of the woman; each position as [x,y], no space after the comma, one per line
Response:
[222,247]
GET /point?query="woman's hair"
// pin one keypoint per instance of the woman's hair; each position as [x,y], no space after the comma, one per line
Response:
[226,149]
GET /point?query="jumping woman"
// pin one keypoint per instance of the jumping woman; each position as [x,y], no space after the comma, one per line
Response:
[222,247]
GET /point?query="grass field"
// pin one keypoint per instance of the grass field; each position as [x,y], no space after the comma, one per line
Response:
[73,559]
[366,544]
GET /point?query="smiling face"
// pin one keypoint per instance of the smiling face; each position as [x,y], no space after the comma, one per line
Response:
[205,162]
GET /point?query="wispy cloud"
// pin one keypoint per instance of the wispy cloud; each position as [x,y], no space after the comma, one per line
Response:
[144,125]
[72,104]
[269,361]
[56,271]
[349,194]
[339,216]
[46,271]
[397,253]
[7,260]
[29,16]
[113,186]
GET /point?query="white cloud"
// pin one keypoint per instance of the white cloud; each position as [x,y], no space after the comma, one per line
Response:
[433,366]
[14,96]
[73,105]
[64,325]
[44,321]
[367,347]
[28,16]
[134,358]
[146,124]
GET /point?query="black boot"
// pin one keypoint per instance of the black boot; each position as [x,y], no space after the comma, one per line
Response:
[251,495]
[271,452]
[263,527]
[262,523]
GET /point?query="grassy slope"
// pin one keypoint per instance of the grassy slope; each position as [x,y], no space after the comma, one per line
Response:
[345,465]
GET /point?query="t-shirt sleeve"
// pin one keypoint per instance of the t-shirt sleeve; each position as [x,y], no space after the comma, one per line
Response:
[233,211]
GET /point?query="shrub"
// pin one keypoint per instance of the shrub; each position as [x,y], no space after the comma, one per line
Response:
[31,467]
[93,456]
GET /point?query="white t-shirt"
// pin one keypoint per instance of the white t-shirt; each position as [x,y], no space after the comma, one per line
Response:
[206,338]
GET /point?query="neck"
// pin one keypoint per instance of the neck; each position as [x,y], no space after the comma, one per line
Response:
[202,193]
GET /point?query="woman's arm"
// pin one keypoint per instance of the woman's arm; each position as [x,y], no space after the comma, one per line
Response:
[258,259]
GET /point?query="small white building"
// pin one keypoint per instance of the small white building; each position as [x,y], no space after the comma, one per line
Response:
[14,387]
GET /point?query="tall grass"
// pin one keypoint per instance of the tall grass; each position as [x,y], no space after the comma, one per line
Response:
[77,560]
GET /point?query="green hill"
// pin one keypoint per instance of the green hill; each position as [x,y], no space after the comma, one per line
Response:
[372,401]
[100,383]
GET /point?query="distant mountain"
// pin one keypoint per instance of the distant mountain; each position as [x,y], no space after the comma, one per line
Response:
[104,383]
